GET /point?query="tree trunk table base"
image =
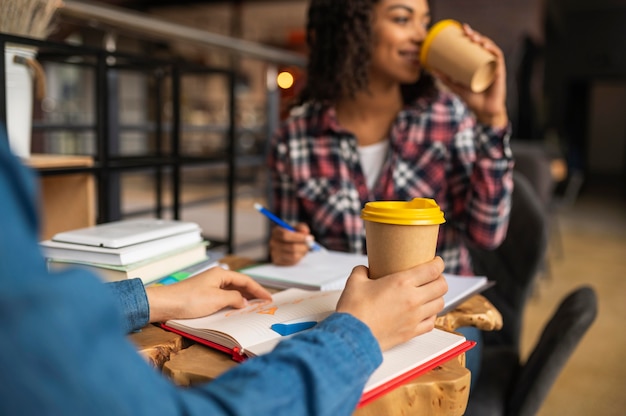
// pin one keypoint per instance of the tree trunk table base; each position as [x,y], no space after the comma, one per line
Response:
[442,391]
[156,345]
[477,311]
[197,364]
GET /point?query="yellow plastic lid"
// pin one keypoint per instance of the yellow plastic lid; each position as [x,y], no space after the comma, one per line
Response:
[432,34]
[418,211]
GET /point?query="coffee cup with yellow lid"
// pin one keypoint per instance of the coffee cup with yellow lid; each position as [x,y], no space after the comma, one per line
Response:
[449,50]
[400,234]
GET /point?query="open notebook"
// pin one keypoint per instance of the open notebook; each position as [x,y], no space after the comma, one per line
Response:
[329,270]
[247,333]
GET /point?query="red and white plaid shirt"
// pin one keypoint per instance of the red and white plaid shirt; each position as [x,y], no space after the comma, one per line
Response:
[437,150]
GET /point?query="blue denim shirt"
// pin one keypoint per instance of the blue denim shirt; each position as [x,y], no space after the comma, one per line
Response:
[64,349]
[132,302]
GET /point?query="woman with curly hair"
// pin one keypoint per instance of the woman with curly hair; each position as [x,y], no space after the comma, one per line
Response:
[371,124]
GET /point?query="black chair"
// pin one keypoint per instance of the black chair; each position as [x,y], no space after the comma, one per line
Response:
[505,385]
[533,159]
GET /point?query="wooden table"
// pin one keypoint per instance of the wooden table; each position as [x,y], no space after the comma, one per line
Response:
[442,391]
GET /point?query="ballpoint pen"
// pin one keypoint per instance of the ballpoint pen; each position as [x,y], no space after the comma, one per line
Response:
[313,245]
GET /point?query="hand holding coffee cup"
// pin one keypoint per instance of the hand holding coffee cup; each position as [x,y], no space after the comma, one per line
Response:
[449,50]
[400,235]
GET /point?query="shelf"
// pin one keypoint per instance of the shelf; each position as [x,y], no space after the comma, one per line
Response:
[47,161]
[79,190]
[149,127]
[67,201]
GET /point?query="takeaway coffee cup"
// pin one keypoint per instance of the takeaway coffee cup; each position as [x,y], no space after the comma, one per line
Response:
[447,49]
[400,235]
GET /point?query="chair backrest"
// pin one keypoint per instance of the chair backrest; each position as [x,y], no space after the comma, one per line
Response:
[558,340]
[515,263]
[532,161]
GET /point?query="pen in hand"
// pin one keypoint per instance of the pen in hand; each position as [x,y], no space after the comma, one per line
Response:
[313,245]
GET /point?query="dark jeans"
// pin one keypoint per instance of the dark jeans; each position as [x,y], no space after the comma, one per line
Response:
[473,357]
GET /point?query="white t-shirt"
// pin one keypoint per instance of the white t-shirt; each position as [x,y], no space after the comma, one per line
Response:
[372,159]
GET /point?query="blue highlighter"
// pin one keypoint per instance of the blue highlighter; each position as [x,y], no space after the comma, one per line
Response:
[288,329]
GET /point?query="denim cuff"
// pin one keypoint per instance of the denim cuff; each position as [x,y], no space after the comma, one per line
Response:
[130,295]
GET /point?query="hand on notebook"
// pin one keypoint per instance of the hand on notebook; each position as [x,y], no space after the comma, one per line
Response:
[288,247]
[203,295]
[396,307]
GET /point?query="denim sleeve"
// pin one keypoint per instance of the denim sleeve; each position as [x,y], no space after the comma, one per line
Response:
[63,352]
[130,295]
[318,372]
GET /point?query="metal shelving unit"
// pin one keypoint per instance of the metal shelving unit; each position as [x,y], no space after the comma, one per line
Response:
[164,158]
[167,159]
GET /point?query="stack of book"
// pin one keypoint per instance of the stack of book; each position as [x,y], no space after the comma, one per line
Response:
[149,249]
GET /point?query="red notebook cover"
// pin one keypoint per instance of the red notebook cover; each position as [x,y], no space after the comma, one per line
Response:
[234,353]
[368,396]
[376,392]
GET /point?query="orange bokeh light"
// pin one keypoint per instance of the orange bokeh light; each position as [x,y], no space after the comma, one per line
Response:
[284,80]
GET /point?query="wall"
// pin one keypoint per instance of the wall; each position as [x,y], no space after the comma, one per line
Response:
[503,21]
[506,22]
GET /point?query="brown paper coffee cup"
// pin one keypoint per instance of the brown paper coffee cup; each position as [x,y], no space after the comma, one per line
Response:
[400,235]
[448,50]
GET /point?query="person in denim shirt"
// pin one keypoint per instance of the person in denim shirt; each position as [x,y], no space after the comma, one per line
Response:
[64,349]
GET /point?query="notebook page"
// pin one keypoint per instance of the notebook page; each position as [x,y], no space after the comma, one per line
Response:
[316,270]
[251,325]
[461,288]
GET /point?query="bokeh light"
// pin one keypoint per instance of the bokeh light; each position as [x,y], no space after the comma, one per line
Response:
[284,80]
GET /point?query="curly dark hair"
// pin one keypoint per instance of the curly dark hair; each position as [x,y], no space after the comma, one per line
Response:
[339,36]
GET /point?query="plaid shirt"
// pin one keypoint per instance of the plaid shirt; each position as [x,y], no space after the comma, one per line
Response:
[437,150]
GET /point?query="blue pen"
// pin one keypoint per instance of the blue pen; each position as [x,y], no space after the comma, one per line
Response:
[313,245]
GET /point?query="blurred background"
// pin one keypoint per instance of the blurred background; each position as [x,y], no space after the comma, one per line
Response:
[566,65]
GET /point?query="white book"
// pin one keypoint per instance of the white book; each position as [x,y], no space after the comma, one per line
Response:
[460,288]
[248,332]
[329,270]
[149,270]
[124,233]
[118,256]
